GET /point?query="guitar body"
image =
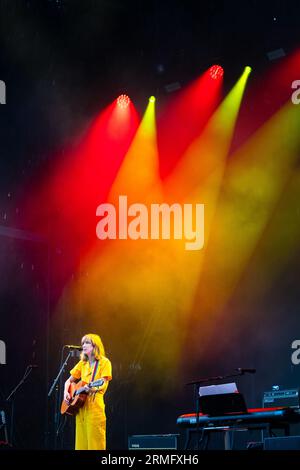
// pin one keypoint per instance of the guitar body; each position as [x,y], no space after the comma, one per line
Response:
[77,400]
[78,396]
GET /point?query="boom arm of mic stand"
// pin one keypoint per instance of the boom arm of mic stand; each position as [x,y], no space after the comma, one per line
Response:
[59,373]
[26,374]
[214,379]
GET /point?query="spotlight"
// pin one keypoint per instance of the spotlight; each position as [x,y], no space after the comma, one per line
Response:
[248,69]
[123,101]
[152,99]
[172,87]
[216,71]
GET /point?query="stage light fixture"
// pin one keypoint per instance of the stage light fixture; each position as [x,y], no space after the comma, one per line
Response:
[172,87]
[152,99]
[276,54]
[123,101]
[216,71]
[248,69]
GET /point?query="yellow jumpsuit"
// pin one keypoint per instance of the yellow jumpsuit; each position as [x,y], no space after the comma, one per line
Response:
[91,418]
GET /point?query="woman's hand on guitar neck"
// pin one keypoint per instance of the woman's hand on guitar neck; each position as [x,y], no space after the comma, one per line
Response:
[93,390]
[90,390]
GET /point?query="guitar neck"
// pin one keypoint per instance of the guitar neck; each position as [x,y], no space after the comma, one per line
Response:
[97,383]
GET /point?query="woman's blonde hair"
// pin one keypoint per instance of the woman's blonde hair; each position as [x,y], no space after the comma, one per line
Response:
[98,346]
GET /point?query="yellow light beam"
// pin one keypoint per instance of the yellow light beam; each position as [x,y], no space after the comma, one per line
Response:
[198,179]
[209,150]
[140,168]
[252,187]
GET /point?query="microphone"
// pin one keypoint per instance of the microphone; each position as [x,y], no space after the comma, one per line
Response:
[71,346]
[243,371]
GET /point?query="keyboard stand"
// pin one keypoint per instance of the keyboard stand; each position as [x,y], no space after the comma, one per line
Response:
[228,431]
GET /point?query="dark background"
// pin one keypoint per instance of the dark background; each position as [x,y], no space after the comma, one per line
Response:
[62,61]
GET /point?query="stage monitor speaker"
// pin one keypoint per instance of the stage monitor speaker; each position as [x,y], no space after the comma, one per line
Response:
[153,441]
[282,443]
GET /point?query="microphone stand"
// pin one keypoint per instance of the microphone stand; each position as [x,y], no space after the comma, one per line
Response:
[207,380]
[3,425]
[55,385]
[10,399]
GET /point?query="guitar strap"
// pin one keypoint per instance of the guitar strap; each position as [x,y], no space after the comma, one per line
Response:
[95,370]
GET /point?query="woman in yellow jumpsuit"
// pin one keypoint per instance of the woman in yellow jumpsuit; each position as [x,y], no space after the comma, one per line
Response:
[91,418]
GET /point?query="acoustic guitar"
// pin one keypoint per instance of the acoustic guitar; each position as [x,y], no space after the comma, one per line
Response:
[78,396]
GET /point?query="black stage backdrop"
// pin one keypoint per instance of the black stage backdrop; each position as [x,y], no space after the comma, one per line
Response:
[57,80]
